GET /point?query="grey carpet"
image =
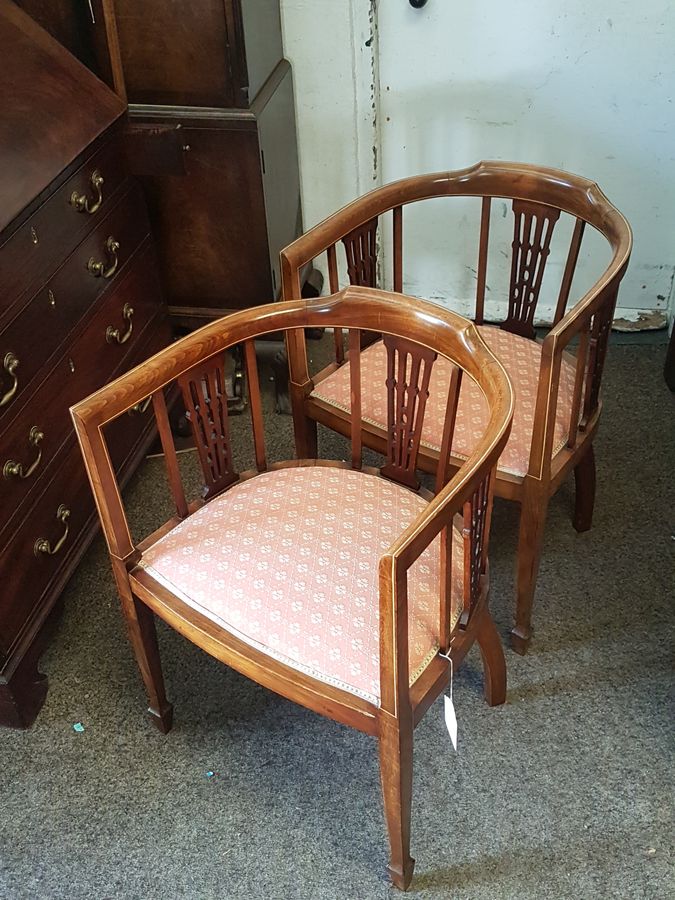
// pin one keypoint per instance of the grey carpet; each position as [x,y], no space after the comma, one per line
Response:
[564,792]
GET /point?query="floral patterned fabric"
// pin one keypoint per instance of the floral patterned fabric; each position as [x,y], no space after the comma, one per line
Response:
[520,357]
[288,562]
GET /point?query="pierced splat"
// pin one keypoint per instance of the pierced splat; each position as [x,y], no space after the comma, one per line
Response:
[475,533]
[205,398]
[408,373]
[361,250]
[532,233]
[601,325]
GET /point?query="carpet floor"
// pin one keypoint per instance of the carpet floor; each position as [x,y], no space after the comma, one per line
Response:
[566,791]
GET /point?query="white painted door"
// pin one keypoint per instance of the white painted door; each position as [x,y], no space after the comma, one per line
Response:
[586,87]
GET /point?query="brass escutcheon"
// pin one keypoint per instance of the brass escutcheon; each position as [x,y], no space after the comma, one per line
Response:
[13,469]
[141,407]
[82,203]
[98,268]
[42,545]
[113,335]
[10,365]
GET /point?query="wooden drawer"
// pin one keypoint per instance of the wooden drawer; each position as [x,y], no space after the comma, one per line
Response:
[90,362]
[124,434]
[52,232]
[25,573]
[31,339]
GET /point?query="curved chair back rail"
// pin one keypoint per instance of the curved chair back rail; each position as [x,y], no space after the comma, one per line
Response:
[415,333]
[198,357]
[563,404]
[538,195]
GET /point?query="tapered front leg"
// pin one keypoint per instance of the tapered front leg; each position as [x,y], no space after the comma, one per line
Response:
[492,655]
[140,622]
[396,746]
[533,511]
[143,637]
[584,500]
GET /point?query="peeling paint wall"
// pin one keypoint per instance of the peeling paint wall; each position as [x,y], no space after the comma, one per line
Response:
[384,90]
[330,46]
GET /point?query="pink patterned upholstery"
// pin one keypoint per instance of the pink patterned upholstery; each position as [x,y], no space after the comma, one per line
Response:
[288,562]
[520,357]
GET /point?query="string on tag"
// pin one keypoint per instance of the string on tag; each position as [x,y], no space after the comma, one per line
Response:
[450,715]
[449,659]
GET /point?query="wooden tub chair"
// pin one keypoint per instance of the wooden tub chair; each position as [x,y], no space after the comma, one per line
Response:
[337,586]
[557,393]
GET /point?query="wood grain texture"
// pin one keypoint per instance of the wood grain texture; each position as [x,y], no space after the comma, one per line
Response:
[416,333]
[210,260]
[172,58]
[205,397]
[408,374]
[532,232]
[539,196]
[41,130]
[67,323]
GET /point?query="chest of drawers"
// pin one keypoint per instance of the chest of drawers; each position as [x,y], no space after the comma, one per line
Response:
[80,302]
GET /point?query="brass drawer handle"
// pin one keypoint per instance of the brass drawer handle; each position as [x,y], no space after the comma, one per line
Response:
[82,203]
[10,365]
[42,545]
[113,336]
[140,407]
[13,469]
[98,268]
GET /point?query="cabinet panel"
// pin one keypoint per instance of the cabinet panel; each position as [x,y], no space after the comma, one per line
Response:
[66,322]
[25,574]
[176,53]
[90,362]
[43,325]
[210,223]
[52,109]
[69,21]
[55,228]
[261,21]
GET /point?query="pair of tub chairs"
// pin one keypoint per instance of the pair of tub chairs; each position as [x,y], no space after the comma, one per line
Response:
[349,589]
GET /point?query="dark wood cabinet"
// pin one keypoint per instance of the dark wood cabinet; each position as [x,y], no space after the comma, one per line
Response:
[80,302]
[212,136]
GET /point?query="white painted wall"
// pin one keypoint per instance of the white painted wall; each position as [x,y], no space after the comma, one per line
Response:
[585,87]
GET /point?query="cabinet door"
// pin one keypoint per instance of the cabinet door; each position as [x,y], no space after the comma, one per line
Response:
[182,54]
[209,221]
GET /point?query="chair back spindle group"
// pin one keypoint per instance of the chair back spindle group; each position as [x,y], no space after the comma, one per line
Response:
[570,359]
[446,532]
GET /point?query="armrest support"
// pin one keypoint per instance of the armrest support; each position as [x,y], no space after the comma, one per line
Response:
[591,316]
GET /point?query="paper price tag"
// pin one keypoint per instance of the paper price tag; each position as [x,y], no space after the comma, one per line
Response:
[451,720]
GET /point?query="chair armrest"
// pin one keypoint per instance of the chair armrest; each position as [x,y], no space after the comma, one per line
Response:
[394,565]
[591,319]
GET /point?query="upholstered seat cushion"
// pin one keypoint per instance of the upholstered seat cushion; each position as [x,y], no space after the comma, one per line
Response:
[520,357]
[288,562]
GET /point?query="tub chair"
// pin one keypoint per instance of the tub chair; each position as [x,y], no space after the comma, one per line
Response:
[343,588]
[556,381]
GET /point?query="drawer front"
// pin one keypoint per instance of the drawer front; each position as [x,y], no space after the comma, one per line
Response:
[31,254]
[27,568]
[124,434]
[31,339]
[30,446]
[29,572]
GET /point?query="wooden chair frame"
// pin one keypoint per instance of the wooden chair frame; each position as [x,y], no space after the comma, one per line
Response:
[539,195]
[414,327]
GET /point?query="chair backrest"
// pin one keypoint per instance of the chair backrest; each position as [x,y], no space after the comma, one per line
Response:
[415,334]
[538,198]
